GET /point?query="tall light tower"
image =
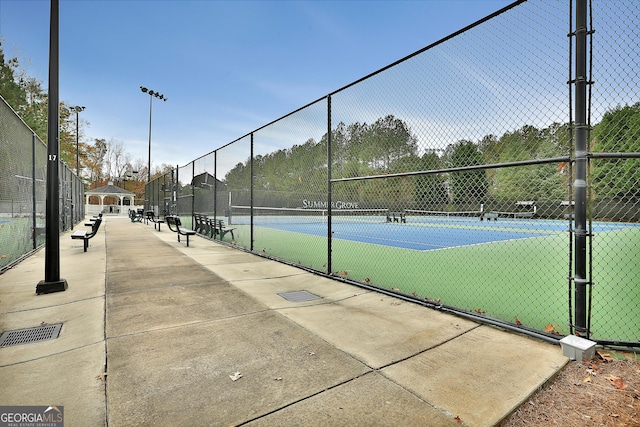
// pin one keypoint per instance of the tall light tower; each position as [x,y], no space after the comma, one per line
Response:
[77,110]
[151,95]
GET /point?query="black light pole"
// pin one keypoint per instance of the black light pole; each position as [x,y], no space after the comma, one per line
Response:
[151,95]
[52,281]
[77,110]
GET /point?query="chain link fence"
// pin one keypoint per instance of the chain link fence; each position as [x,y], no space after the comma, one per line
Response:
[23,173]
[448,178]
[614,171]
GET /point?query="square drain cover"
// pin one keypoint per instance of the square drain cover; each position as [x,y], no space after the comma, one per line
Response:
[299,296]
[29,335]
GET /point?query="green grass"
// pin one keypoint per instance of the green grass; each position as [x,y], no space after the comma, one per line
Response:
[525,279]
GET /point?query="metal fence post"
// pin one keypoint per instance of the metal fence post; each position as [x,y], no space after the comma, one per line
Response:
[193,193]
[34,235]
[580,183]
[251,201]
[329,193]
[215,185]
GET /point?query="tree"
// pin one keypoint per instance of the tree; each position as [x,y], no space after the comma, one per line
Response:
[431,190]
[388,140]
[618,132]
[10,90]
[95,160]
[535,182]
[117,161]
[467,187]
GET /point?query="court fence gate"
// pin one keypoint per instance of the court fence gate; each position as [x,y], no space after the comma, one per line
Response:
[494,174]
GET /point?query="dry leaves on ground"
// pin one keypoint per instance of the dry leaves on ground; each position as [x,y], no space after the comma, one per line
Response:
[604,391]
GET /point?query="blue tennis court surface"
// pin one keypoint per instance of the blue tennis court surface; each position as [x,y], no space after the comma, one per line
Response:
[425,236]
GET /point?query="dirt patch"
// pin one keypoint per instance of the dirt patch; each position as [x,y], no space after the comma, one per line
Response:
[604,391]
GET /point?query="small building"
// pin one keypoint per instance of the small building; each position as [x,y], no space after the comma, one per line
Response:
[112,199]
[207,181]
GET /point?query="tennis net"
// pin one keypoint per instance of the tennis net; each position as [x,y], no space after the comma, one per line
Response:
[269,215]
[417,215]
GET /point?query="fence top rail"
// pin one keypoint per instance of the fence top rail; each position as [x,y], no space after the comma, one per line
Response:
[459,169]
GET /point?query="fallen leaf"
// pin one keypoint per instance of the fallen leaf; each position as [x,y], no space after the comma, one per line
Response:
[102,376]
[587,380]
[415,294]
[605,356]
[479,311]
[616,382]
[3,256]
[457,419]
[367,280]
[518,322]
[344,274]
[551,328]
[311,353]
[236,376]
[438,300]
[395,289]
[278,378]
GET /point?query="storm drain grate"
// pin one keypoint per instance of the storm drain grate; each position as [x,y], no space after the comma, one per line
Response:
[29,335]
[299,296]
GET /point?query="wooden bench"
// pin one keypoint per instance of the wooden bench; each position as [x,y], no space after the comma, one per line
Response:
[86,235]
[221,229]
[151,216]
[175,225]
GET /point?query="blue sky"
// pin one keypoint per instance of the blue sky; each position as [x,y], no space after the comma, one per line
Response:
[226,67]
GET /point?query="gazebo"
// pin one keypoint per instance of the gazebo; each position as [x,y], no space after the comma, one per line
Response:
[108,190]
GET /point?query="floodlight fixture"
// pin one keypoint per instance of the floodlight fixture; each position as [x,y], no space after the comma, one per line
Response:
[158,95]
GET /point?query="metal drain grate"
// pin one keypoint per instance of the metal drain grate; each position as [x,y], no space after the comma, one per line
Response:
[29,335]
[299,296]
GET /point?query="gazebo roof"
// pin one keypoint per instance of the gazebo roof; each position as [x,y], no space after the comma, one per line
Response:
[110,190]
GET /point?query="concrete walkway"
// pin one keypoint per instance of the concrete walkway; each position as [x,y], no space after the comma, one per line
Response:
[155,333]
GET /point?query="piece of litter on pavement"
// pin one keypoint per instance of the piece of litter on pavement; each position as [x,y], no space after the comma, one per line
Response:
[236,376]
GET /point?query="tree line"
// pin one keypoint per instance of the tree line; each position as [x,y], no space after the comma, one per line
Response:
[388,146]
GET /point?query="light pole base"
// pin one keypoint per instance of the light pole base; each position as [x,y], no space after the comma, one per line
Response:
[51,287]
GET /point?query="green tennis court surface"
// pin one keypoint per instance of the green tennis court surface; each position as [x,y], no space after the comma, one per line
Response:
[483,276]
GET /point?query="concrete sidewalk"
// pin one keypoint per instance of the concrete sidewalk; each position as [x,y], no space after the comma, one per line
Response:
[204,336]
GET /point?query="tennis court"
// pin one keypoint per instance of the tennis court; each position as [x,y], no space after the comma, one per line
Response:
[418,230]
[459,261]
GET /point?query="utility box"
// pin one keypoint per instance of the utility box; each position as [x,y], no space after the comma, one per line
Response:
[576,348]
